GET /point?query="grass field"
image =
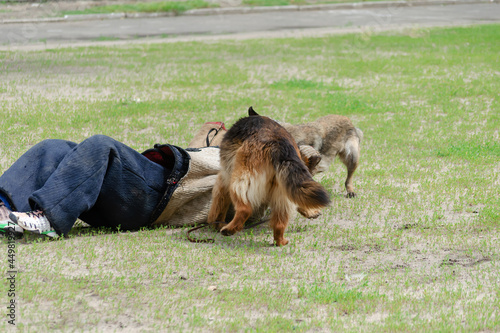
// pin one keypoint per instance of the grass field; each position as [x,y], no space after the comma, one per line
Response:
[51,9]
[417,250]
[175,7]
[178,7]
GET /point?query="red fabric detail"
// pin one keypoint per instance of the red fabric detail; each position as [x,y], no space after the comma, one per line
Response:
[219,123]
[157,157]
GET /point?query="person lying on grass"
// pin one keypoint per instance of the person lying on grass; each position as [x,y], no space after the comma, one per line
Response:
[105,183]
[101,181]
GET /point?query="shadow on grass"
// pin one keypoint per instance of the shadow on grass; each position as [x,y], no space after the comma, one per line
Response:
[245,238]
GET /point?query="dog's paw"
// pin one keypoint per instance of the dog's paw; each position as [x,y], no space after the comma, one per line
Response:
[280,242]
[227,231]
[350,195]
[217,226]
[314,216]
[309,213]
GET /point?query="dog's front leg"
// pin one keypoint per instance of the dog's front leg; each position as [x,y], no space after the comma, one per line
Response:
[243,213]
[221,202]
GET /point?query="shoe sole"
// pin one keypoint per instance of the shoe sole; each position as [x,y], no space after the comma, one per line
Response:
[51,234]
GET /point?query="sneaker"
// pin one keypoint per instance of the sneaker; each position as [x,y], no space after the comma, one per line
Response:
[35,221]
[6,224]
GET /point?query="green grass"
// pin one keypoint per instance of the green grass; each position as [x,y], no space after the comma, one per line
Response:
[178,7]
[417,250]
[472,151]
[105,38]
[296,2]
[145,7]
[273,2]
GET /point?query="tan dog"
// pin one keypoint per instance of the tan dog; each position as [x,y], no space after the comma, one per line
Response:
[261,166]
[331,135]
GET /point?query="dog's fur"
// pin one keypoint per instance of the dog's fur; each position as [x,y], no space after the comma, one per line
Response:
[261,166]
[331,135]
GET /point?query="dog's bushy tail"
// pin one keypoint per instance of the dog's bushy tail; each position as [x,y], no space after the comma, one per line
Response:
[350,154]
[359,132]
[293,174]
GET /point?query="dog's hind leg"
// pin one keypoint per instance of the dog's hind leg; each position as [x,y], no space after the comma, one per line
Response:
[350,157]
[221,201]
[281,210]
[279,222]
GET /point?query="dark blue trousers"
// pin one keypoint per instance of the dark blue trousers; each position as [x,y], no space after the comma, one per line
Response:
[101,181]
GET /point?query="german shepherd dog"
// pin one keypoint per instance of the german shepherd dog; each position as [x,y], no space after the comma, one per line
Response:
[261,166]
[331,135]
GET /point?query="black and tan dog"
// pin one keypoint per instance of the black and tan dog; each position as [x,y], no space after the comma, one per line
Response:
[261,166]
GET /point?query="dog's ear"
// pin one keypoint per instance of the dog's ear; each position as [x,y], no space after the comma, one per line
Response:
[312,162]
[310,157]
[251,112]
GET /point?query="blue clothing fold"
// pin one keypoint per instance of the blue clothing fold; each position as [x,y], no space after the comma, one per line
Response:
[101,181]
